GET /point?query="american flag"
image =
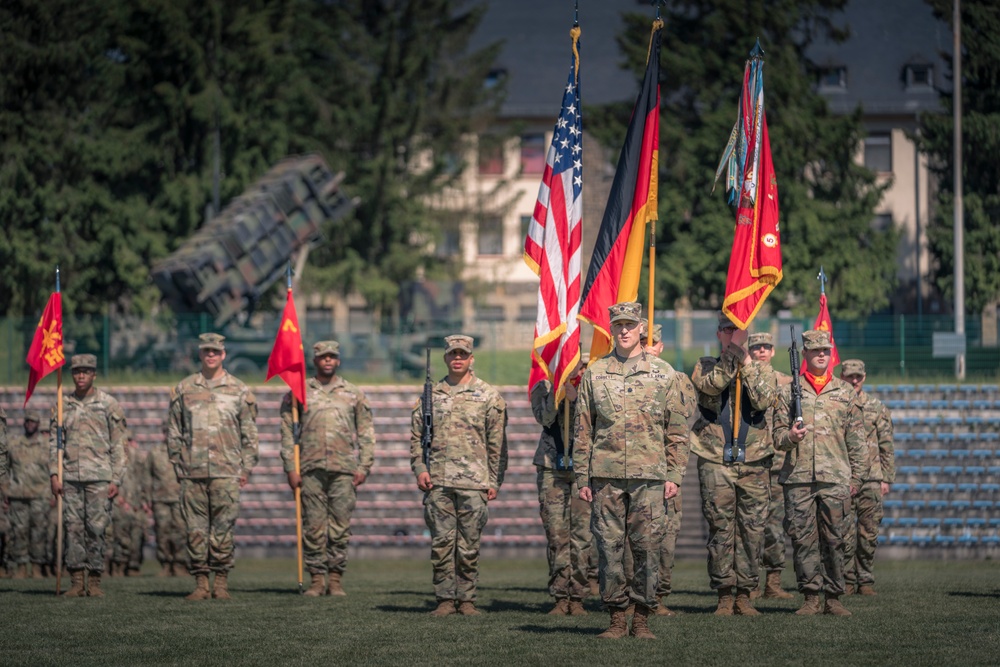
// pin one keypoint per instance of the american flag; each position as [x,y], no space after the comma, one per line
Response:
[552,247]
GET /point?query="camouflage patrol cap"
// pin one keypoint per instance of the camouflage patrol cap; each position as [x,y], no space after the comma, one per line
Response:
[657,333]
[816,340]
[725,322]
[326,347]
[852,367]
[760,338]
[627,311]
[211,341]
[32,416]
[83,361]
[458,342]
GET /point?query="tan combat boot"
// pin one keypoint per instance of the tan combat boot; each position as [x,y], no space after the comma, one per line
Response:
[725,607]
[317,587]
[756,594]
[773,589]
[595,587]
[21,572]
[445,608]
[164,570]
[811,605]
[177,570]
[220,587]
[576,608]
[662,609]
[467,608]
[833,606]
[94,585]
[201,591]
[742,605]
[618,627]
[640,623]
[36,571]
[76,589]
[866,589]
[333,587]
[848,588]
[561,608]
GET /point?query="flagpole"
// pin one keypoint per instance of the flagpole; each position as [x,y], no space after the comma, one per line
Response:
[298,489]
[60,450]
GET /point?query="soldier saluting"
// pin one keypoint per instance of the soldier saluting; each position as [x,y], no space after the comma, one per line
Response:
[462,471]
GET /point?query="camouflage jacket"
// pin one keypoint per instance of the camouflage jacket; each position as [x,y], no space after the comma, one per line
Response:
[553,421]
[337,434]
[4,460]
[163,484]
[469,450]
[833,449]
[715,380]
[212,428]
[135,483]
[677,465]
[880,458]
[631,421]
[29,468]
[94,434]
[779,456]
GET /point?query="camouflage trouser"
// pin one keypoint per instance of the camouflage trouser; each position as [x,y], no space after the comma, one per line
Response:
[861,539]
[29,528]
[128,530]
[456,518]
[774,531]
[673,526]
[86,517]
[628,510]
[593,558]
[169,529]
[566,519]
[734,500]
[328,499]
[816,521]
[210,508]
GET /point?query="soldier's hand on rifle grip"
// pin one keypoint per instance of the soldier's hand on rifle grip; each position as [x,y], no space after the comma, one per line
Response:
[424,481]
[587,494]
[797,432]
[56,485]
[294,480]
[669,490]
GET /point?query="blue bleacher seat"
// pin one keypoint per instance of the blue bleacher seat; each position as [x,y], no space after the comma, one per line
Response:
[907,521]
[973,420]
[906,421]
[983,453]
[990,388]
[921,539]
[982,404]
[888,521]
[968,540]
[975,522]
[931,420]
[960,404]
[946,437]
[904,388]
[916,453]
[937,453]
[960,505]
[953,470]
[915,504]
[982,504]
[899,539]
[939,405]
[917,404]
[961,453]
[944,539]
[901,488]
[966,437]
[895,404]
[989,437]
[990,539]
[892,504]
[904,437]
[927,388]
[994,521]
[938,504]
[882,539]
[944,487]
[975,470]
[885,388]
[994,470]
[948,388]
[990,487]
[968,487]
[923,487]
[953,521]
[908,470]
[931,470]
[953,421]
[930,522]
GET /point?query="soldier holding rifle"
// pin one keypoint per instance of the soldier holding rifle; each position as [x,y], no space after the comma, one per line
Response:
[460,468]
[337,453]
[822,431]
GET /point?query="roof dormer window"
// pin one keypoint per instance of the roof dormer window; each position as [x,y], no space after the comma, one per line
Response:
[919,76]
[832,78]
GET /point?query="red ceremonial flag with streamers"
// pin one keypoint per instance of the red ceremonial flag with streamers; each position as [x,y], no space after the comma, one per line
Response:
[288,360]
[824,323]
[46,352]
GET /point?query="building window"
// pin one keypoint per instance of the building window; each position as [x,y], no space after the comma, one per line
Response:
[491,236]
[527,313]
[490,156]
[878,152]
[451,242]
[532,153]
[525,226]
[832,78]
[882,222]
[490,313]
[919,76]
[495,77]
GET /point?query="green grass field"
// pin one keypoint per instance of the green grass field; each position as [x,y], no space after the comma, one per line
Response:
[927,613]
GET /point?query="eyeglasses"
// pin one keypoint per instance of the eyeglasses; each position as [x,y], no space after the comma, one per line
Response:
[625,325]
[728,330]
[210,352]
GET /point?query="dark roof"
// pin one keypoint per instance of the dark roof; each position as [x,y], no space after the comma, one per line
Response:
[886,35]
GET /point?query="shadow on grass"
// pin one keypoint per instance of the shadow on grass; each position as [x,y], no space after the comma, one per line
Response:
[974,594]
[400,609]
[519,589]
[553,630]
[700,592]
[400,592]
[288,590]
[510,605]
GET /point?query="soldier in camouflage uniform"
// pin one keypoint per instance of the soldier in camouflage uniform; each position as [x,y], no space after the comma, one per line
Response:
[94,433]
[734,451]
[630,431]
[4,521]
[565,517]
[212,442]
[4,457]
[337,451]
[762,350]
[129,513]
[26,498]
[823,469]
[461,473]
[878,473]
[168,524]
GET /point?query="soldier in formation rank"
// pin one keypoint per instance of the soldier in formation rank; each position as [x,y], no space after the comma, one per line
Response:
[630,431]
[27,499]
[337,451]
[878,473]
[129,513]
[823,469]
[734,451]
[459,474]
[565,517]
[762,350]
[212,442]
[168,524]
[94,434]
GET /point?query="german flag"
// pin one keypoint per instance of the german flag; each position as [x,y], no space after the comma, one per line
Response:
[615,266]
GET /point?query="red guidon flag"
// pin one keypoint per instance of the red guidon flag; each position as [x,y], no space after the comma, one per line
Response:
[46,352]
[552,247]
[616,263]
[755,263]
[824,323]
[288,360]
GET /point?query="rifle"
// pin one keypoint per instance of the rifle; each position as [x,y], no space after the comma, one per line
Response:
[793,357]
[427,403]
